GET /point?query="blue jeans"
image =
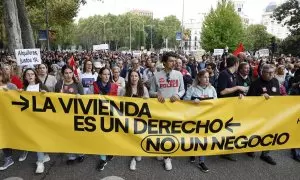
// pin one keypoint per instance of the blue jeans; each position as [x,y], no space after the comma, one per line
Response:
[103,157]
[201,158]
[297,152]
[40,156]
[265,153]
[74,156]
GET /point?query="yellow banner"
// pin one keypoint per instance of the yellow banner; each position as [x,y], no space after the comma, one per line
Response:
[94,124]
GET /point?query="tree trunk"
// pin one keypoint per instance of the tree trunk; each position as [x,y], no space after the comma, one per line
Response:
[11,22]
[27,33]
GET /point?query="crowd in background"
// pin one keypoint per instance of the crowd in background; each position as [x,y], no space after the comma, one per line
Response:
[162,76]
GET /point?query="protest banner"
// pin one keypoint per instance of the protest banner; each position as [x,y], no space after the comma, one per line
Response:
[218,52]
[264,53]
[100,47]
[94,124]
[28,57]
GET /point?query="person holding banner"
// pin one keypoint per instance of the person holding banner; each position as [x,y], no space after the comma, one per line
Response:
[295,90]
[266,85]
[201,90]
[103,86]
[70,85]
[167,83]
[227,86]
[6,85]
[33,84]
[135,88]
[46,78]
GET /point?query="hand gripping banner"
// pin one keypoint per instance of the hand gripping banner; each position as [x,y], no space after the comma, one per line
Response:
[94,124]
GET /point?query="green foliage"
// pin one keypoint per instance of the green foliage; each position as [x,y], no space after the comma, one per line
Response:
[60,13]
[222,27]
[168,28]
[256,37]
[289,14]
[290,45]
[91,31]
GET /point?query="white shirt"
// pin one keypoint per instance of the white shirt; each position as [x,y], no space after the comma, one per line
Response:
[33,88]
[120,82]
[87,80]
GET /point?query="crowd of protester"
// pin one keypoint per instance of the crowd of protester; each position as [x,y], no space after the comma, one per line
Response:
[163,76]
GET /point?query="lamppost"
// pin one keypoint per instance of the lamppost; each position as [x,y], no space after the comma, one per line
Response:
[104,34]
[130,35]
[130,19]
[151,35]
[182,28]
[47,25]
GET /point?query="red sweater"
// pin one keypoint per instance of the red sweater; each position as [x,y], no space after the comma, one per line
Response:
[112,92]
[16,81]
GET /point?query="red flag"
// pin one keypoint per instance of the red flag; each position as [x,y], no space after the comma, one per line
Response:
[72,64]
[239,49]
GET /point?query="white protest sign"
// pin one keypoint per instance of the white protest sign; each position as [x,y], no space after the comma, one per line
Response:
[28,57]
[263,52]
[100,47]
[218,52]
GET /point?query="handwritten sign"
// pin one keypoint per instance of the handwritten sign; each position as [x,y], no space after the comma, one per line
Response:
[28,57]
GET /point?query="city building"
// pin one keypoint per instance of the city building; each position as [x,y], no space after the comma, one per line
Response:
[192,43]
[142,12]
[239,8]
[273,27]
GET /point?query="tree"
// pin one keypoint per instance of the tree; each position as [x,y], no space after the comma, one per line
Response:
[290,45]
[26,30]
[222,27]
[168,28]
[115,30]
[256,37]
[12,26]
[289,14]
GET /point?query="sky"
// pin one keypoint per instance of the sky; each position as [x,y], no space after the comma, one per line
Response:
[193,9]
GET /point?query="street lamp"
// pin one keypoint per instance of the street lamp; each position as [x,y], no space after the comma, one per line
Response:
[104,35]
[47,25]
[130,35]
[182,28]
[130,19]
[151,35]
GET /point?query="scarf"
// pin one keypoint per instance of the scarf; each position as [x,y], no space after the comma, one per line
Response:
[104,89]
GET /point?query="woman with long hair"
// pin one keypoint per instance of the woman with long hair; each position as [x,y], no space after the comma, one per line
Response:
[135,88]
[88,77]
[32,83]
[103,86]
[201,90]
[69,85]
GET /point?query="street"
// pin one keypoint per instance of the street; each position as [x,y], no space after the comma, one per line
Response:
[245,168]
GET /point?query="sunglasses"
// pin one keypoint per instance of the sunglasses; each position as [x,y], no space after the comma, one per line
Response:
[168,77]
